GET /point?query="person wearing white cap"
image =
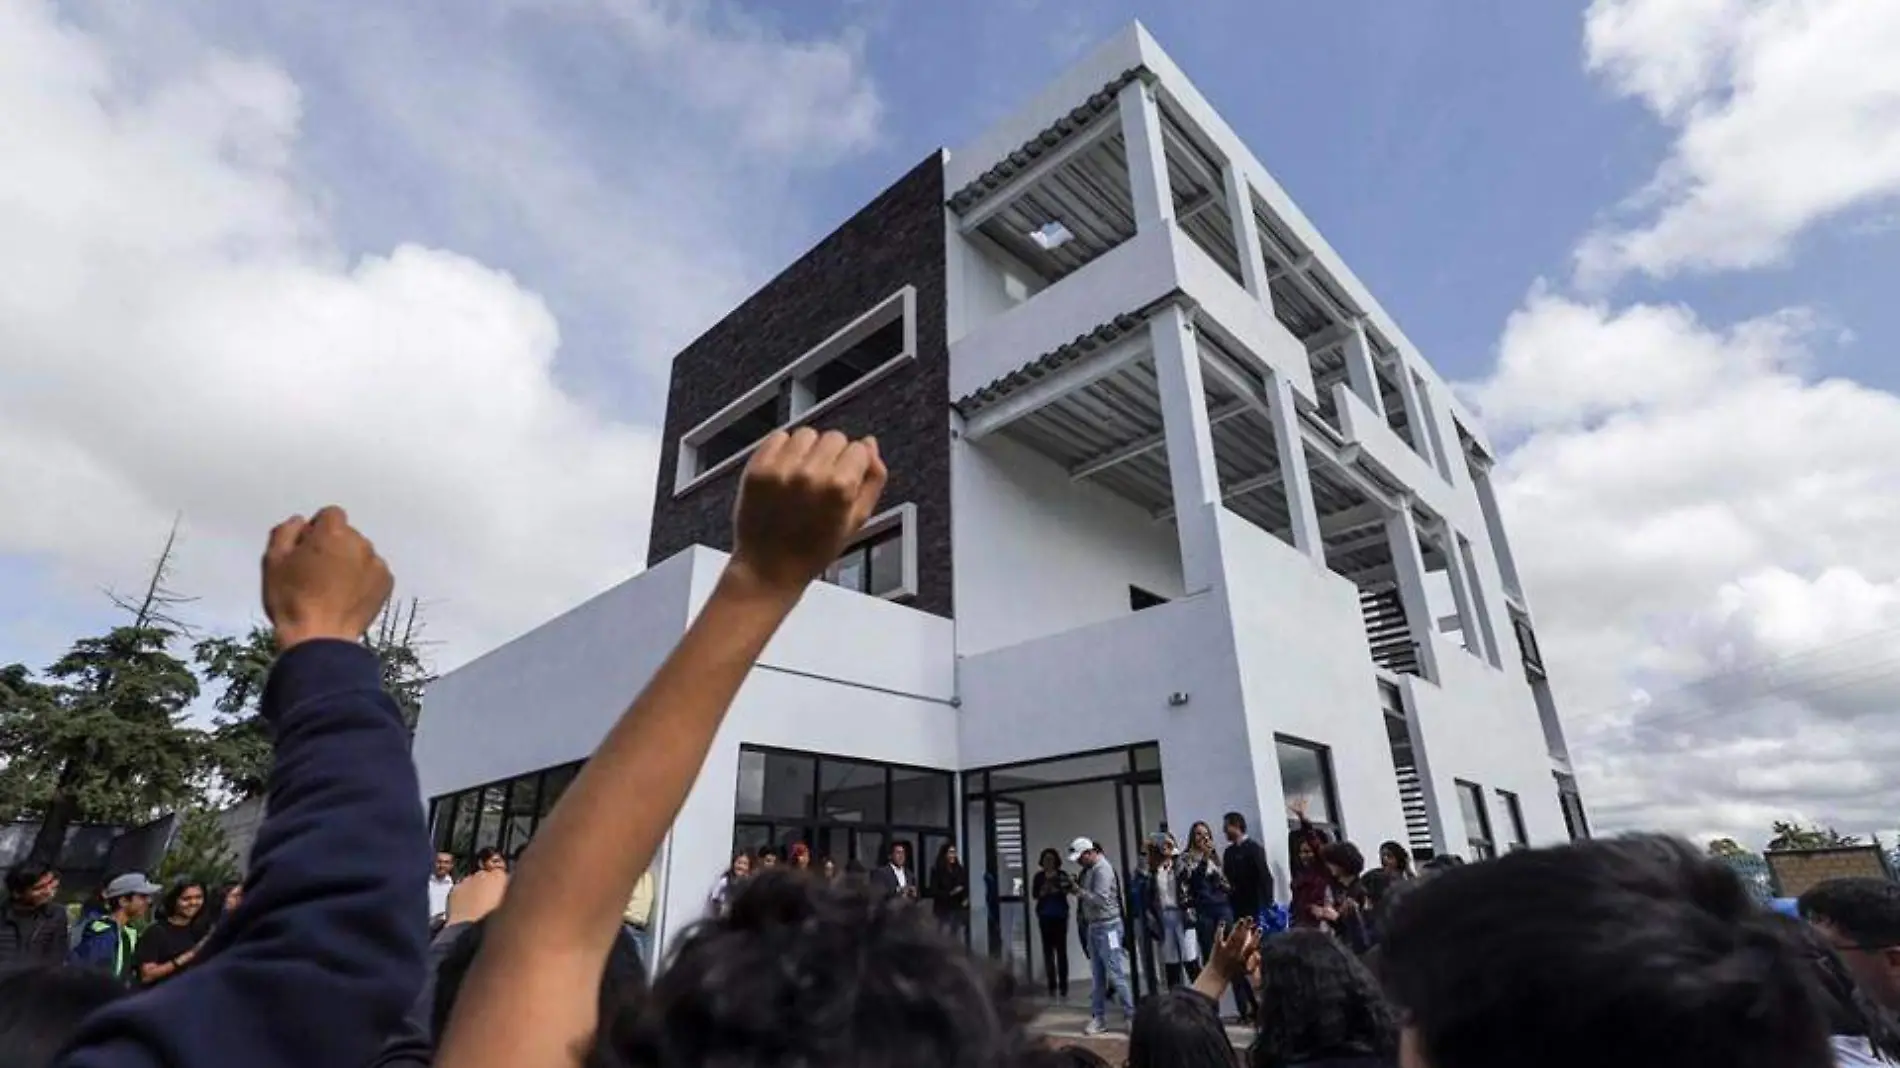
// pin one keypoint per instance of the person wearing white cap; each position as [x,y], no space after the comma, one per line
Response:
[1099,904]
[109,943]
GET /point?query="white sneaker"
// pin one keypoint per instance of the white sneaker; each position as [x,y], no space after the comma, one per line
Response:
[1095,1027]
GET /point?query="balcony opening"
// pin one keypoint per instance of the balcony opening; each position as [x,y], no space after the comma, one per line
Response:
[1198,186]
[1246,450]
[1398,734]
[1064,210]
[1354,529]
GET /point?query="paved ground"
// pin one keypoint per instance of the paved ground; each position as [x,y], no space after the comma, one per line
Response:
[1062,1023]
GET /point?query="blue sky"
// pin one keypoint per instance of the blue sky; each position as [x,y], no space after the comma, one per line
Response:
[432,259]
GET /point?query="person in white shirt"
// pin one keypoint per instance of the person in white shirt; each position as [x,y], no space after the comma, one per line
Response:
[440,883]
[894,877]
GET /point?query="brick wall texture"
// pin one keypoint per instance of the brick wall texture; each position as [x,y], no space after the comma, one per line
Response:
[1796,871]
[897,239]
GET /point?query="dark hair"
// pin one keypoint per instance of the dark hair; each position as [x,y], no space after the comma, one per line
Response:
[1235,819]
[1865,910]
[168,904]
[891,850]
[1394,849]
[1441,863]
[1179,1028]
[768,850]
[485,854]
[1072,1057]
[1324,1003]
[26,875]
[1630,951]
[41,1008]
[802,971]
[943,856]
[1343,855]
[620,981]
[1847,1008]
[1046,854]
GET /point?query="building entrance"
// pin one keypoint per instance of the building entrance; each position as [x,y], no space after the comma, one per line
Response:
[1016,812]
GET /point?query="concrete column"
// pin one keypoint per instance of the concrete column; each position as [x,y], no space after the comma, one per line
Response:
[1295,478]
[1253,260]
[1461,596]
[1147,156]
[1360,373]
[1190,438]
[1408,566]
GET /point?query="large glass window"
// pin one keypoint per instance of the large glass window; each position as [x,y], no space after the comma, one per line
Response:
[1306,778]
[851,793]
[772,783]
[502,814]
[845,810]
[1477,821]
[1514,821]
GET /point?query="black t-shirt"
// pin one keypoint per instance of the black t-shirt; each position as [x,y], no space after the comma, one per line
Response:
[163,942]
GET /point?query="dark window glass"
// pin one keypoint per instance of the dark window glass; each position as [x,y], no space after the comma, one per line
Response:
[749,838]
[467,806]
[740,434]
[1139,598]
[1514,813]
[851,793]
[1147,758]
[774,784]
[444,824]
[886,570]
[1477,822]
[523,803]
[920,797]
[488,828]
[1306,778]
[553,785]
[883,345]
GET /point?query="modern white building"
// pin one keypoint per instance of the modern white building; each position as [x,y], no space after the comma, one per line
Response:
[1179,523]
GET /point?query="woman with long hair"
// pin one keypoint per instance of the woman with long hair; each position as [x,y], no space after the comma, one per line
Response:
[1312,885]
[729,883]
[1209,902]
[1050,890]
[1164,889]
[1348,908]
[171,943]
[801,857]
[1325,1010]
[1395,867]
[950,892]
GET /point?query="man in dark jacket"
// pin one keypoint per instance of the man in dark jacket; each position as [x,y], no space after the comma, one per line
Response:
[319,962]
[32,927]
[1251,882]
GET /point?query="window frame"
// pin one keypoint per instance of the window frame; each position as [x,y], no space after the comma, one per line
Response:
[1328,780]
[903,518]
[1514,821]
[899,306]
[813,822]
[1482,846]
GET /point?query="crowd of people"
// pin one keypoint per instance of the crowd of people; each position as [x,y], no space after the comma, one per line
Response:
[1632,952]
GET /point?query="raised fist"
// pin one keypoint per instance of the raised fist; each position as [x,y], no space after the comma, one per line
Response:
[322,579]
[803,496]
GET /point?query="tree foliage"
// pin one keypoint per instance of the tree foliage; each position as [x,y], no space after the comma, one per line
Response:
[1790,834]
[1726,848]
[200,851]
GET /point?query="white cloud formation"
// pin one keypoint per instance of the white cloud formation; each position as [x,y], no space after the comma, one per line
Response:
[1707,531]
[1785,113]
[181,329]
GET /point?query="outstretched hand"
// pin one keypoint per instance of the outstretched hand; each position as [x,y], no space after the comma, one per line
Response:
[322,579]
[1234,947]
[803,496]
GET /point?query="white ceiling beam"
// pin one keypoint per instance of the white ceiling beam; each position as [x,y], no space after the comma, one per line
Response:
[1327,338]
[1078,375]
[1144,445]
[1353,518]
[1103,124]
[1228,492]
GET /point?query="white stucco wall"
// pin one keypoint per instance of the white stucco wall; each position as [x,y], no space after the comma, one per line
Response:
[1307,674]
[1037,553]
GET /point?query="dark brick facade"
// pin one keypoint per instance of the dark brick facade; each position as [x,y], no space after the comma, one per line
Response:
[897,239]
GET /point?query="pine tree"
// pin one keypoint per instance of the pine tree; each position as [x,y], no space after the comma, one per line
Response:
[1790,834]
[99,738]
[199,851]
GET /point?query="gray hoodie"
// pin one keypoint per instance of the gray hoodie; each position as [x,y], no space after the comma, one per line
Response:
[1099,898]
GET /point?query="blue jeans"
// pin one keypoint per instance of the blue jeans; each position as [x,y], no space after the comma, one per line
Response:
[1108,963]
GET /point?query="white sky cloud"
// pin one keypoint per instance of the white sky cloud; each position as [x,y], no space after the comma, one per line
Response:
[185,331]
[1729,520]
[1785,113]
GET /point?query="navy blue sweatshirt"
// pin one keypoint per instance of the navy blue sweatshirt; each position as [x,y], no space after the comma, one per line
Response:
[319,962]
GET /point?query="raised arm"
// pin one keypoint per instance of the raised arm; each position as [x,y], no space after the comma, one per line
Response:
[531,998]
[331,923]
